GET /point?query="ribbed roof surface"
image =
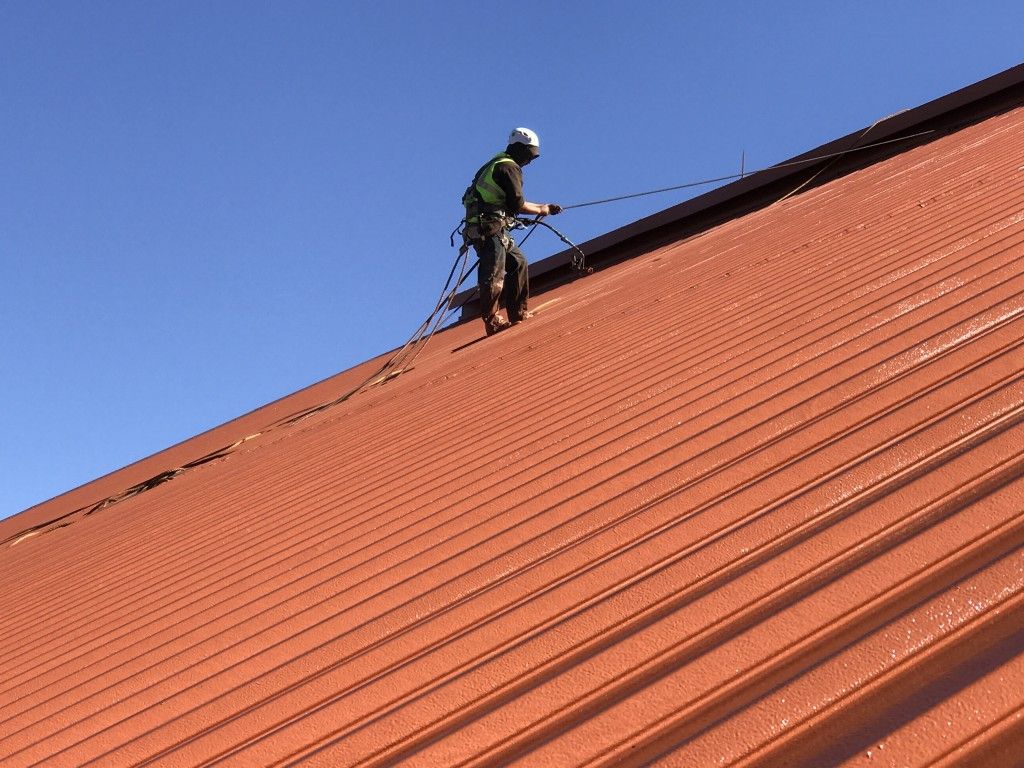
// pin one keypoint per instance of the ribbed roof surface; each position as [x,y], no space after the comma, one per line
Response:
[754,498]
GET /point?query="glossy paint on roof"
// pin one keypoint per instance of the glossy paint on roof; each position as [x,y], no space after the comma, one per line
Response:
[751,498]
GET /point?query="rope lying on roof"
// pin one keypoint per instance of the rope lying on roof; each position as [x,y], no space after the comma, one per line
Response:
[400,361]
[134,490]
[403,359]
[407,353]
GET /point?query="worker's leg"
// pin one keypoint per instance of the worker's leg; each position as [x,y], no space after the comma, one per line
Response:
[517,282]
[490,279]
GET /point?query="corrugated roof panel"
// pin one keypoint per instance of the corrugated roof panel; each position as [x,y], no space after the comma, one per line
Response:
[753,498]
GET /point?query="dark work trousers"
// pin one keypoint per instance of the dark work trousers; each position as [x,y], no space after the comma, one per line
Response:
[502,276]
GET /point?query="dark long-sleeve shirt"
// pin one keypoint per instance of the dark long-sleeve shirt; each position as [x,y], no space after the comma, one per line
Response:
[509,176]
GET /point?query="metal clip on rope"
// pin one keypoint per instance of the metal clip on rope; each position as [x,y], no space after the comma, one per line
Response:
[579,263]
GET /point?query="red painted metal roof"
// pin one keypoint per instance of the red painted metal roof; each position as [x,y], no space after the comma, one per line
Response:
[752,497]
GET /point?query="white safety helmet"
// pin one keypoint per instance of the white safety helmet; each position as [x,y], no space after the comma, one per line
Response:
[524,136]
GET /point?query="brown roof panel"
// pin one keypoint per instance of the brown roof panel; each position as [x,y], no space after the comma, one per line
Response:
[749,498]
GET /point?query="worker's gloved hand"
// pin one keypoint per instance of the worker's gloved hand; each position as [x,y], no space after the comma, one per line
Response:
[554,209]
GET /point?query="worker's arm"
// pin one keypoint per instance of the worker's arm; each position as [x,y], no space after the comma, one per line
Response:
[509,177]
[541,209]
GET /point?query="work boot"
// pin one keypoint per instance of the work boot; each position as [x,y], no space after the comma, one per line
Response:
[524,315]
[495,324]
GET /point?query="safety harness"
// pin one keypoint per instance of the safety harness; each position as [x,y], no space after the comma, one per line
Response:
[484,201]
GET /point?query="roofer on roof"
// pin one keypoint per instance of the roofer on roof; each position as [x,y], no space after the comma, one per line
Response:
[492,200]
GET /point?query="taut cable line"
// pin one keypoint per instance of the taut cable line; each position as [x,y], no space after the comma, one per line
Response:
[745,174]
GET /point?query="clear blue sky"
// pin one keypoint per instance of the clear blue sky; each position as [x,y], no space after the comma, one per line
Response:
[208,205]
